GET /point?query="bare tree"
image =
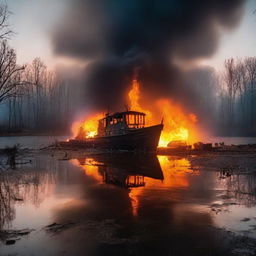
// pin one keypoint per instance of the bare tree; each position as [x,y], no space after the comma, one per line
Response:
[230,80]
[37,79]
[242,82]
[250,65]
[9,72]
[5,30]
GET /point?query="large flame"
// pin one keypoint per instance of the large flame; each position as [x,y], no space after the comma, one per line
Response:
[178,125]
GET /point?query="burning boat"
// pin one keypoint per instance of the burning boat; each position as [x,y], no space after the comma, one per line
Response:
[122,131]
[129,130]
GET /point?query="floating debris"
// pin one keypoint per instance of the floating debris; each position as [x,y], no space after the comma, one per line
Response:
[245,219]
[58,227]
[10,241]
[11,236]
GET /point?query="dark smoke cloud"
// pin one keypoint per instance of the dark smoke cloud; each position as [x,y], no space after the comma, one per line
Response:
[118,35]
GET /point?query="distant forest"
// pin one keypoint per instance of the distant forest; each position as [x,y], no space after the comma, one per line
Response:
[35,99]
[32,97]
[236,110]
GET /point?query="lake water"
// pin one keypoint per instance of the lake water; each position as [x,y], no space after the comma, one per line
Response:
[232,140]
[37,142]
[130,205]
[32,142]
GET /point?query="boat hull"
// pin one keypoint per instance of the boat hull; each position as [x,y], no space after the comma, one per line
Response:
[143,139]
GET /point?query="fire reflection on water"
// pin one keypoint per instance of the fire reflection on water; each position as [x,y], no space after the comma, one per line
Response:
[37,186]
[89,166]
[175,175]
[175,172]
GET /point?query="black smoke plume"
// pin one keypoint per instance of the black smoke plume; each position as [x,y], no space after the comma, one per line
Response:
[115,36]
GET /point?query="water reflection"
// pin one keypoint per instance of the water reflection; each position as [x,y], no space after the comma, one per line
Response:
[122,170]
[31,185]
[6,201]
[242,187]
[124,205]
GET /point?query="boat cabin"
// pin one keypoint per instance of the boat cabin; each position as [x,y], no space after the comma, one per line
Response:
[119,123]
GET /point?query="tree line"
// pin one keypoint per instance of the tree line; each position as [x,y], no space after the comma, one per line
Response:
[237,96]
[40,100]
[34,97]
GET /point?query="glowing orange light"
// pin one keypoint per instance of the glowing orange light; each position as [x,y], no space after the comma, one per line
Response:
[176,172]
[177,124]
[89,168]
[134,97]
[86,128]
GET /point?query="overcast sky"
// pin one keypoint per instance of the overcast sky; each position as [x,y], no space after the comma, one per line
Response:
[32,21]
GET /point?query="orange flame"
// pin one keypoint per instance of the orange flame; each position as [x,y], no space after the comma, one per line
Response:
[86,128]
[176,123]
[134,97]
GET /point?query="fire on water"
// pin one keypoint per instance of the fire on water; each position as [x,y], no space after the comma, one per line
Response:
[178,125]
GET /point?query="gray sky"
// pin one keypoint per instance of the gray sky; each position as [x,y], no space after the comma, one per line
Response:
[32,20]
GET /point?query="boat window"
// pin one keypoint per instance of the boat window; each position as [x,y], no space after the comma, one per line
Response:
[127,119]
[114,120]
[135,120]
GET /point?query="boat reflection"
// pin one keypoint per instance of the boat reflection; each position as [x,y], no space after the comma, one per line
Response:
[123,170]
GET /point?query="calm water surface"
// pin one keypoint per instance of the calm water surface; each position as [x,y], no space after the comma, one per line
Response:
[37,142]
[232,140]
[32,142]
[128,205]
